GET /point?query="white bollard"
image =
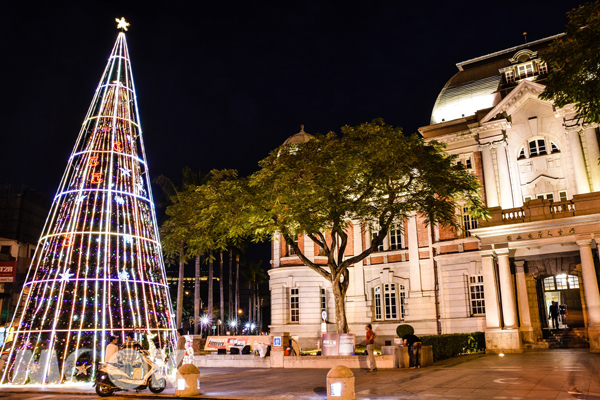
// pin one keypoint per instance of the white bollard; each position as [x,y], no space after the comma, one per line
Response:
[340,384]
[188,381]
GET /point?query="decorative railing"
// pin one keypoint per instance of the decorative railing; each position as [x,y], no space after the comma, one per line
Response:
[540,209]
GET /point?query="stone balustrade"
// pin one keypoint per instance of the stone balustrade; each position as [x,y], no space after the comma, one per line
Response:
[540,209]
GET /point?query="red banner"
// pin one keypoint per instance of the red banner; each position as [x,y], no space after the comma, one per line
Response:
[8,270]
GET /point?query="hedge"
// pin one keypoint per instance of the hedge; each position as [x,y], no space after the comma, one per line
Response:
[451,345]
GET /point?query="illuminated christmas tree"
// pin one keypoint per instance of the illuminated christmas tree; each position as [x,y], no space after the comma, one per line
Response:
[98,267]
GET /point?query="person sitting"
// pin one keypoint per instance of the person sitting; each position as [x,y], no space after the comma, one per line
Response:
[129,353]
[112,351]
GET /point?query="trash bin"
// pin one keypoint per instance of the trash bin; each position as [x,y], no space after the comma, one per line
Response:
[340,383]
[188,381]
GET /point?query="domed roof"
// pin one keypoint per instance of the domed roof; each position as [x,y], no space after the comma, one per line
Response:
[300,137]
[463,97]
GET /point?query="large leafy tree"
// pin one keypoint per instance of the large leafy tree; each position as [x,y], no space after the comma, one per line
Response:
[574,61]
[371,173]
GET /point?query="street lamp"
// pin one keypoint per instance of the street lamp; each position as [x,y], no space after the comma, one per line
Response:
[204,320]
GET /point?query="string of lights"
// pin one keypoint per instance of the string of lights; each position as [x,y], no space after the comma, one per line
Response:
[98,268]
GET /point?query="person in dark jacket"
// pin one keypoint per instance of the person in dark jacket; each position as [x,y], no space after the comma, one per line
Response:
[414,347]
[554,314]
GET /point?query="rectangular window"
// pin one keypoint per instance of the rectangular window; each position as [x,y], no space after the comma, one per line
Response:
[562,195]
[294,305]
[402,302]
[377,298]
[525,70]
[396,237]
[323,300]
[468,222]
[543,68]
[549,283]
[374,231]
[391,308]
[476,295]
[5,250]
[510,76]
[550,197]
[561,282]
[573,281]
[290,250]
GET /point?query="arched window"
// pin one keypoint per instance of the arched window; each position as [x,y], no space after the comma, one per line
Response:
[521,153]
[554,148]
[537,147]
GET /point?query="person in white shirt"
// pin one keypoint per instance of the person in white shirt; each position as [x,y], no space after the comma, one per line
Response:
[111,350]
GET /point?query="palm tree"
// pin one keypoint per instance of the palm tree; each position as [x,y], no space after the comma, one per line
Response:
[253,274]
[221,295]
[231,315]
[176,230]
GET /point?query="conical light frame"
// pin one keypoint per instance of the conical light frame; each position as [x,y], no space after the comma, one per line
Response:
[98,268]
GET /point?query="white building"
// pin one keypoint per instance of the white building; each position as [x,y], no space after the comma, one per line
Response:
[541,180]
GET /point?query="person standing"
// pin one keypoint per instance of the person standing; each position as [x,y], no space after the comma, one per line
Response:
[111,350]
[180,349]
[370,341]
[414,347]
[554,314]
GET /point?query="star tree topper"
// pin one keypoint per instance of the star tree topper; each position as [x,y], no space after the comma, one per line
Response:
[121,23]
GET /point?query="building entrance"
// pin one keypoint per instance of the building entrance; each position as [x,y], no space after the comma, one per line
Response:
[565,291]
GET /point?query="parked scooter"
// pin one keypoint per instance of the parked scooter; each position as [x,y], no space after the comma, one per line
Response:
[112,378]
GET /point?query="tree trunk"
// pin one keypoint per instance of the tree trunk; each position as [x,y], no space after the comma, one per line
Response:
[197,299]
[221,294]
[237,284]
[339,294]
[210,287]
[231,315]
[180,287]
[250,304]
[258,312]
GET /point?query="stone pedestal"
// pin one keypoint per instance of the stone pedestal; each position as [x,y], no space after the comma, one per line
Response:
[403,357]
[188,381]
[502,341]
[340,384]
[392,351]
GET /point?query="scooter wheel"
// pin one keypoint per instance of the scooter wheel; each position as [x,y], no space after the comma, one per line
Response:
[104,391]
[157,385]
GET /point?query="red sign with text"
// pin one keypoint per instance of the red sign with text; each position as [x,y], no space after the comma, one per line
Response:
[8,270]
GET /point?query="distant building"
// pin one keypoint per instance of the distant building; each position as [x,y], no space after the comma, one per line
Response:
[541,180]
[22,218]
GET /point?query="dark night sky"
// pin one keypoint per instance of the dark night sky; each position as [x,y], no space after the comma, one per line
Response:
[220,84]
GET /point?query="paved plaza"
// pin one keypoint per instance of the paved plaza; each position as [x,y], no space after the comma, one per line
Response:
[547,374]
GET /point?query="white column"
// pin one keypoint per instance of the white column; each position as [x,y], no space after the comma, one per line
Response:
[590,283]
[581,180]
[490,291]
[413,255]
[359,273]
[489,178]
[506,195]
[594,154]
[309,248]
[507,291]
[523,298]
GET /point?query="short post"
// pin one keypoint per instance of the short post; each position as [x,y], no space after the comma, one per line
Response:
[188,381]
[340,384]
